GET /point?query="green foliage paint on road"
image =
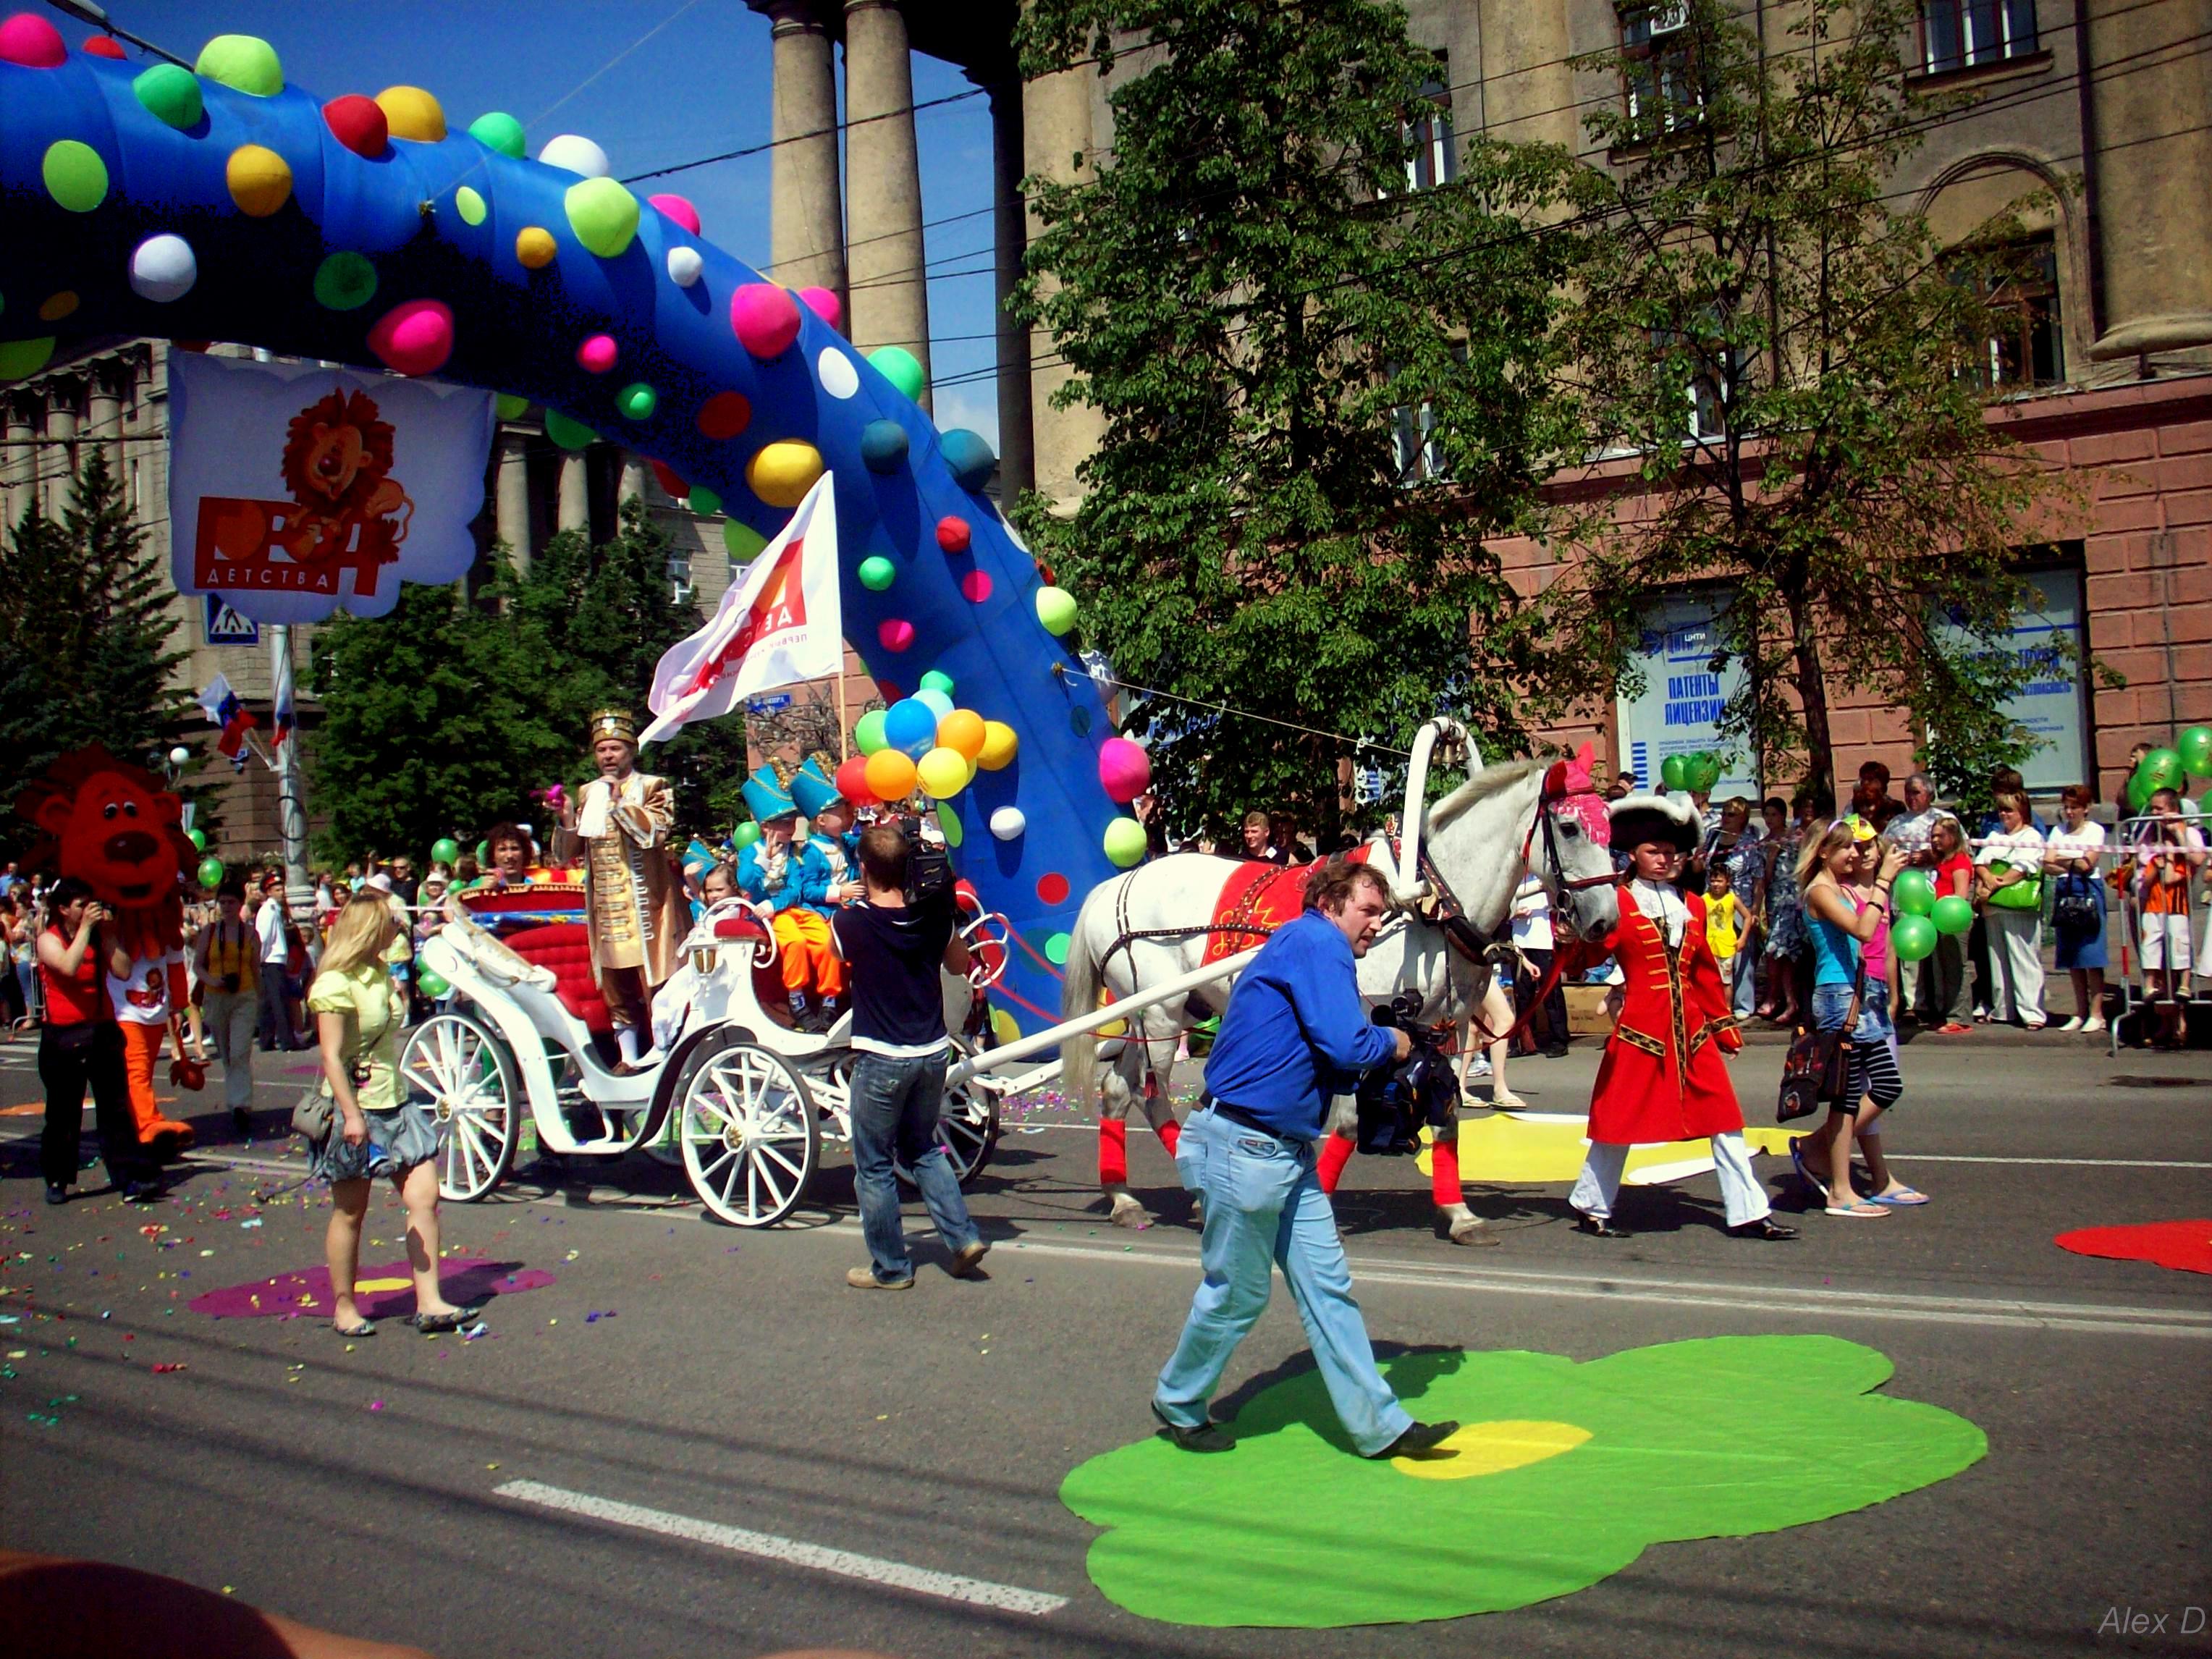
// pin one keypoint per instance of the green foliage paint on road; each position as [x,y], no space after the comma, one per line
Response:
[1721,1437]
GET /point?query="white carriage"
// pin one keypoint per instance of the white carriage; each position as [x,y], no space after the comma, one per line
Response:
[743,1101]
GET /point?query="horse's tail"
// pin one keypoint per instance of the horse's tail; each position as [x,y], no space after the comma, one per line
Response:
[1079,1055]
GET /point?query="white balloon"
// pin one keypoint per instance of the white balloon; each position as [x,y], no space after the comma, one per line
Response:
[685,267]
[1007,823]
[164,268]
[573,153]
[835,372]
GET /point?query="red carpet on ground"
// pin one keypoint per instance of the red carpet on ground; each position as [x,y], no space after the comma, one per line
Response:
[2186,1245]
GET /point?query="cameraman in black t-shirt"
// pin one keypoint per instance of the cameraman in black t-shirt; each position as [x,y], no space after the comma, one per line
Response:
[892,950]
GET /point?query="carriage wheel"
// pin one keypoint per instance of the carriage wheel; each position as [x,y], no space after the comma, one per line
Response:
[968,1129]
[456,1068]
[746,1128]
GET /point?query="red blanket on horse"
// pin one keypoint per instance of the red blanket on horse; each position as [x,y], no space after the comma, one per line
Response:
[1257,899]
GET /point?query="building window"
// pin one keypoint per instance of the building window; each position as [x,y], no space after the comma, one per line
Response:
[1658,78]
[679,576]
[1429,135]
[2025,346]
[1956,34]
[1420,457]
[1710,364]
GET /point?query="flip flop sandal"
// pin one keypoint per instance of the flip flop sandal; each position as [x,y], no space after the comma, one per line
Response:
[1797,1163]
[1903,1197]
[1860,1210]
[435,1324]
[367,1328]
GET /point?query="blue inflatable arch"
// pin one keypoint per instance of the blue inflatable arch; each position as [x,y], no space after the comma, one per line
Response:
[225,204]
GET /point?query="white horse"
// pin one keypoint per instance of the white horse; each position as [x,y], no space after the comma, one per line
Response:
[1156,924]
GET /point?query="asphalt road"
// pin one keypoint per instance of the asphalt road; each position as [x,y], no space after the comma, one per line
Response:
[739,1395]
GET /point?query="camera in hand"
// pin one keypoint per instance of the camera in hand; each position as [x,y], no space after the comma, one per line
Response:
[928,867]
[1395,1100]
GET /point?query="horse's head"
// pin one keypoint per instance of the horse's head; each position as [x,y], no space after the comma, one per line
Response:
[1571,847]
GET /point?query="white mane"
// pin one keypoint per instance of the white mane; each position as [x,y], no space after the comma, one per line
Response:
[1491,780]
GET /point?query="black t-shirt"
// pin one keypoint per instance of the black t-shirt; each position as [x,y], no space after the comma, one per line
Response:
[892,958]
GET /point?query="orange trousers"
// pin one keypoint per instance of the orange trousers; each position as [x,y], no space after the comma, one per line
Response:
[810,962]
[142,1049]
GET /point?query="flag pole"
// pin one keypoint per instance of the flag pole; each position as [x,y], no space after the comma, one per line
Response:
[844,736]
[291,790]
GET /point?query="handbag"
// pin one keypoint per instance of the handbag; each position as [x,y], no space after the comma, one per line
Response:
[2079,909]
[2023,895]
[1817,1069]
[311,1114]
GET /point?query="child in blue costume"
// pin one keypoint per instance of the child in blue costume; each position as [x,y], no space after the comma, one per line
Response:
[791,878]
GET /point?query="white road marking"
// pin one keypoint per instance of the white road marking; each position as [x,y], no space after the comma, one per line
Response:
[894,1575]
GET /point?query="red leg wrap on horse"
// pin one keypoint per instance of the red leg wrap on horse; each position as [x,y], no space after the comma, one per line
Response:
[1443,1170]
[1113,1152]
[1335,1152]
[1170,1134]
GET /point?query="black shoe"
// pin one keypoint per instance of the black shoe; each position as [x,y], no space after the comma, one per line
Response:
[1421,1438]
[1559,1052]
[1597,1226]
[242,1120]
[141,1192]
[1766,1227]
[55,1193]
[1207,1436]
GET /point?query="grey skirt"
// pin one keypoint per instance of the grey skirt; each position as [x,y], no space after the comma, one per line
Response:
[397,1141]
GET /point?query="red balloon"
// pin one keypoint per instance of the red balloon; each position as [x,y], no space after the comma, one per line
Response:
[104,46]
[669,482]
[852,781]
[359,124]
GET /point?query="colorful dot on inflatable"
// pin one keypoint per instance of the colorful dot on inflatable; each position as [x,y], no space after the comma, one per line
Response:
[2184,1246]
[412,114]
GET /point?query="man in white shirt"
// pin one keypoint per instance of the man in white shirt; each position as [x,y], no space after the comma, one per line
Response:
[1532,938]
[278,1031]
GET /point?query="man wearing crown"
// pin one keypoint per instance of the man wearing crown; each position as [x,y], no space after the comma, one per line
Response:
[617,829]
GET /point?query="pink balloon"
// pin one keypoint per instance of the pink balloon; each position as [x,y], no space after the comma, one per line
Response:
[676,208]
[597,355]
[975,586]
[1125,771]
[764,318]
[33,42]
[896,634]
[415,337]
[823,302]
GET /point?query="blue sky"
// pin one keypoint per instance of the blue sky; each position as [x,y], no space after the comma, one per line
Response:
[653,82]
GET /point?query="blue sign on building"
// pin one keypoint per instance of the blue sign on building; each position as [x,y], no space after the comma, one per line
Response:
[221,625]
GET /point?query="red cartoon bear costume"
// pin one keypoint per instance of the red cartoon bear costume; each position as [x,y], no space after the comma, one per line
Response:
[110,825]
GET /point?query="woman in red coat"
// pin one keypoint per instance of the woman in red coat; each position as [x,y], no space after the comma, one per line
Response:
[1662,1077]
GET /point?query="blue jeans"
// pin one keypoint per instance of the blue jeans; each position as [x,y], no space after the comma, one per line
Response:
[1264,1205]
[894,1107]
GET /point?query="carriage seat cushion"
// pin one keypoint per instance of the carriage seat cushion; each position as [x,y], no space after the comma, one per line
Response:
[565,947]
[744,925]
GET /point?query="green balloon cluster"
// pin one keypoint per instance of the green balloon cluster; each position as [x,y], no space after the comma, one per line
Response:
[2194,748]
[1914,894]
[1699,771]
[868,732]
[1953,915]
[197,836]
[432,982]
[210,873]
[2191,756]
[1912,937]
[445,850]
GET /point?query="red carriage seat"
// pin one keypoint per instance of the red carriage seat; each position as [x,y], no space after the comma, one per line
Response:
[565,947]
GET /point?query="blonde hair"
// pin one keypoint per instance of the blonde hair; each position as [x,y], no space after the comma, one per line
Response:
[359,935]
[1820,849]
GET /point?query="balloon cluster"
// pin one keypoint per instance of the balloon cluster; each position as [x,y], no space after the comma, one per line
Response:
[1921,916]
[923,742]
[1699,771]
[2170,769]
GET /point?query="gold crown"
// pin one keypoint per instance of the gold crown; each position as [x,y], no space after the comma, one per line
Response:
[614,723]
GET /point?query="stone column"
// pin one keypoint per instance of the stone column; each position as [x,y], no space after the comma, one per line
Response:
[1056,144]
[2151,155]
[1537,105]
[511,500]
[19,462]
[890,302]
[1009,237]
[806,216]
[106,409]
[58,456]
[575,501]
[633,476]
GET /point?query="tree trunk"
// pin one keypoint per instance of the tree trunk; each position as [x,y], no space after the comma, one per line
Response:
[1813,693]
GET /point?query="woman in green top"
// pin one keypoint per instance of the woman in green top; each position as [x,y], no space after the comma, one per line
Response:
[376,1130]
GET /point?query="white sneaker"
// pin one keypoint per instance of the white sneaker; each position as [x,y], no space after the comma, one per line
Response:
[2095,1022]
[2073,1025]
[1479,1067]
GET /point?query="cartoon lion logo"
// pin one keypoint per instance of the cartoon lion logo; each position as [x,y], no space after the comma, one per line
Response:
[338,465]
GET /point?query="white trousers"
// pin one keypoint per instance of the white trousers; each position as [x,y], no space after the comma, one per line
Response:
[2016,962]
[1600,1181]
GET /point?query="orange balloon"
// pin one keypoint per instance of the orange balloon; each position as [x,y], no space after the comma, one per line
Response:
[889,775]
[962,731]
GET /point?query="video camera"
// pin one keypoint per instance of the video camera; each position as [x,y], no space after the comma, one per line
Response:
[928,865]
[1395,1101]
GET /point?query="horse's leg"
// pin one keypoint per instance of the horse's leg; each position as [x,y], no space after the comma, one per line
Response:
[1121,1086]
[1454,1221]
[1339,1140]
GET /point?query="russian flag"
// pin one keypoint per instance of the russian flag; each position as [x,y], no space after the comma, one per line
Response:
[221,705]
[281,689]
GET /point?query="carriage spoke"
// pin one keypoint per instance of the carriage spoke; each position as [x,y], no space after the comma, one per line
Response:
[780,1194]
[707,1171]
[770,1149]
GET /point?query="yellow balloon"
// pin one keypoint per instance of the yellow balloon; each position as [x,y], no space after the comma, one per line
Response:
[411,114]
[1000,743]
[889,775]
[961,730]
[943,772]
[784,471]
[260,179]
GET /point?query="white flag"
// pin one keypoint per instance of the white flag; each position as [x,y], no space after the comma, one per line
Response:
[783,622]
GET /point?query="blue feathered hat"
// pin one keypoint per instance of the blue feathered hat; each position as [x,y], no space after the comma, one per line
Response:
[812,788]
[767,798]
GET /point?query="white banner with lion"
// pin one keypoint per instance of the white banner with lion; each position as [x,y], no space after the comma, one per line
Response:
[295,490]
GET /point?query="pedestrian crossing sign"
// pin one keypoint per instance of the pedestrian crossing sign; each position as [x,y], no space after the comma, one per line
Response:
[223,626]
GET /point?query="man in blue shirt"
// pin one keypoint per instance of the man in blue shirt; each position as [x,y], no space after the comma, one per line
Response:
[1295,1033]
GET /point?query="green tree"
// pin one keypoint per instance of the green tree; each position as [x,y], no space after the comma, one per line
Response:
[85,631]
[1802,369]
[1323,390]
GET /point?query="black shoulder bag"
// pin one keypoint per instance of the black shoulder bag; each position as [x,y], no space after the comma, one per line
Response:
[1817,1070]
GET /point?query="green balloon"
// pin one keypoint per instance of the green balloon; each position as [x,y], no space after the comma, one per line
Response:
[569,435]
[510,407]
[432,982]
[345,281]
[210,873]
[1953,915]
[702,500]
[1912,937]
[868,733]
[743,541]
[498,130]
[2138,792]
[745,835]
[244,63]
[445,850]
[876,572]
[2161,769]
[75,176]
[900,367]
[1914,893]
[484,854]
[637,403]
[937,680]
[197,836]
[2194,748]
[1675,771]
[171,94]
[603,214]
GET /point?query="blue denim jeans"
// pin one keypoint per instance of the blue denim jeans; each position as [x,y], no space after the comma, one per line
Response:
[1263,1206]
[894,1107]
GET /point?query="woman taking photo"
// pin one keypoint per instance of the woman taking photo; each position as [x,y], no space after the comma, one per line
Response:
[80,1044]
[2009,878]
[2168,850]
[374,1131]
[2077,912]
[1840,928]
